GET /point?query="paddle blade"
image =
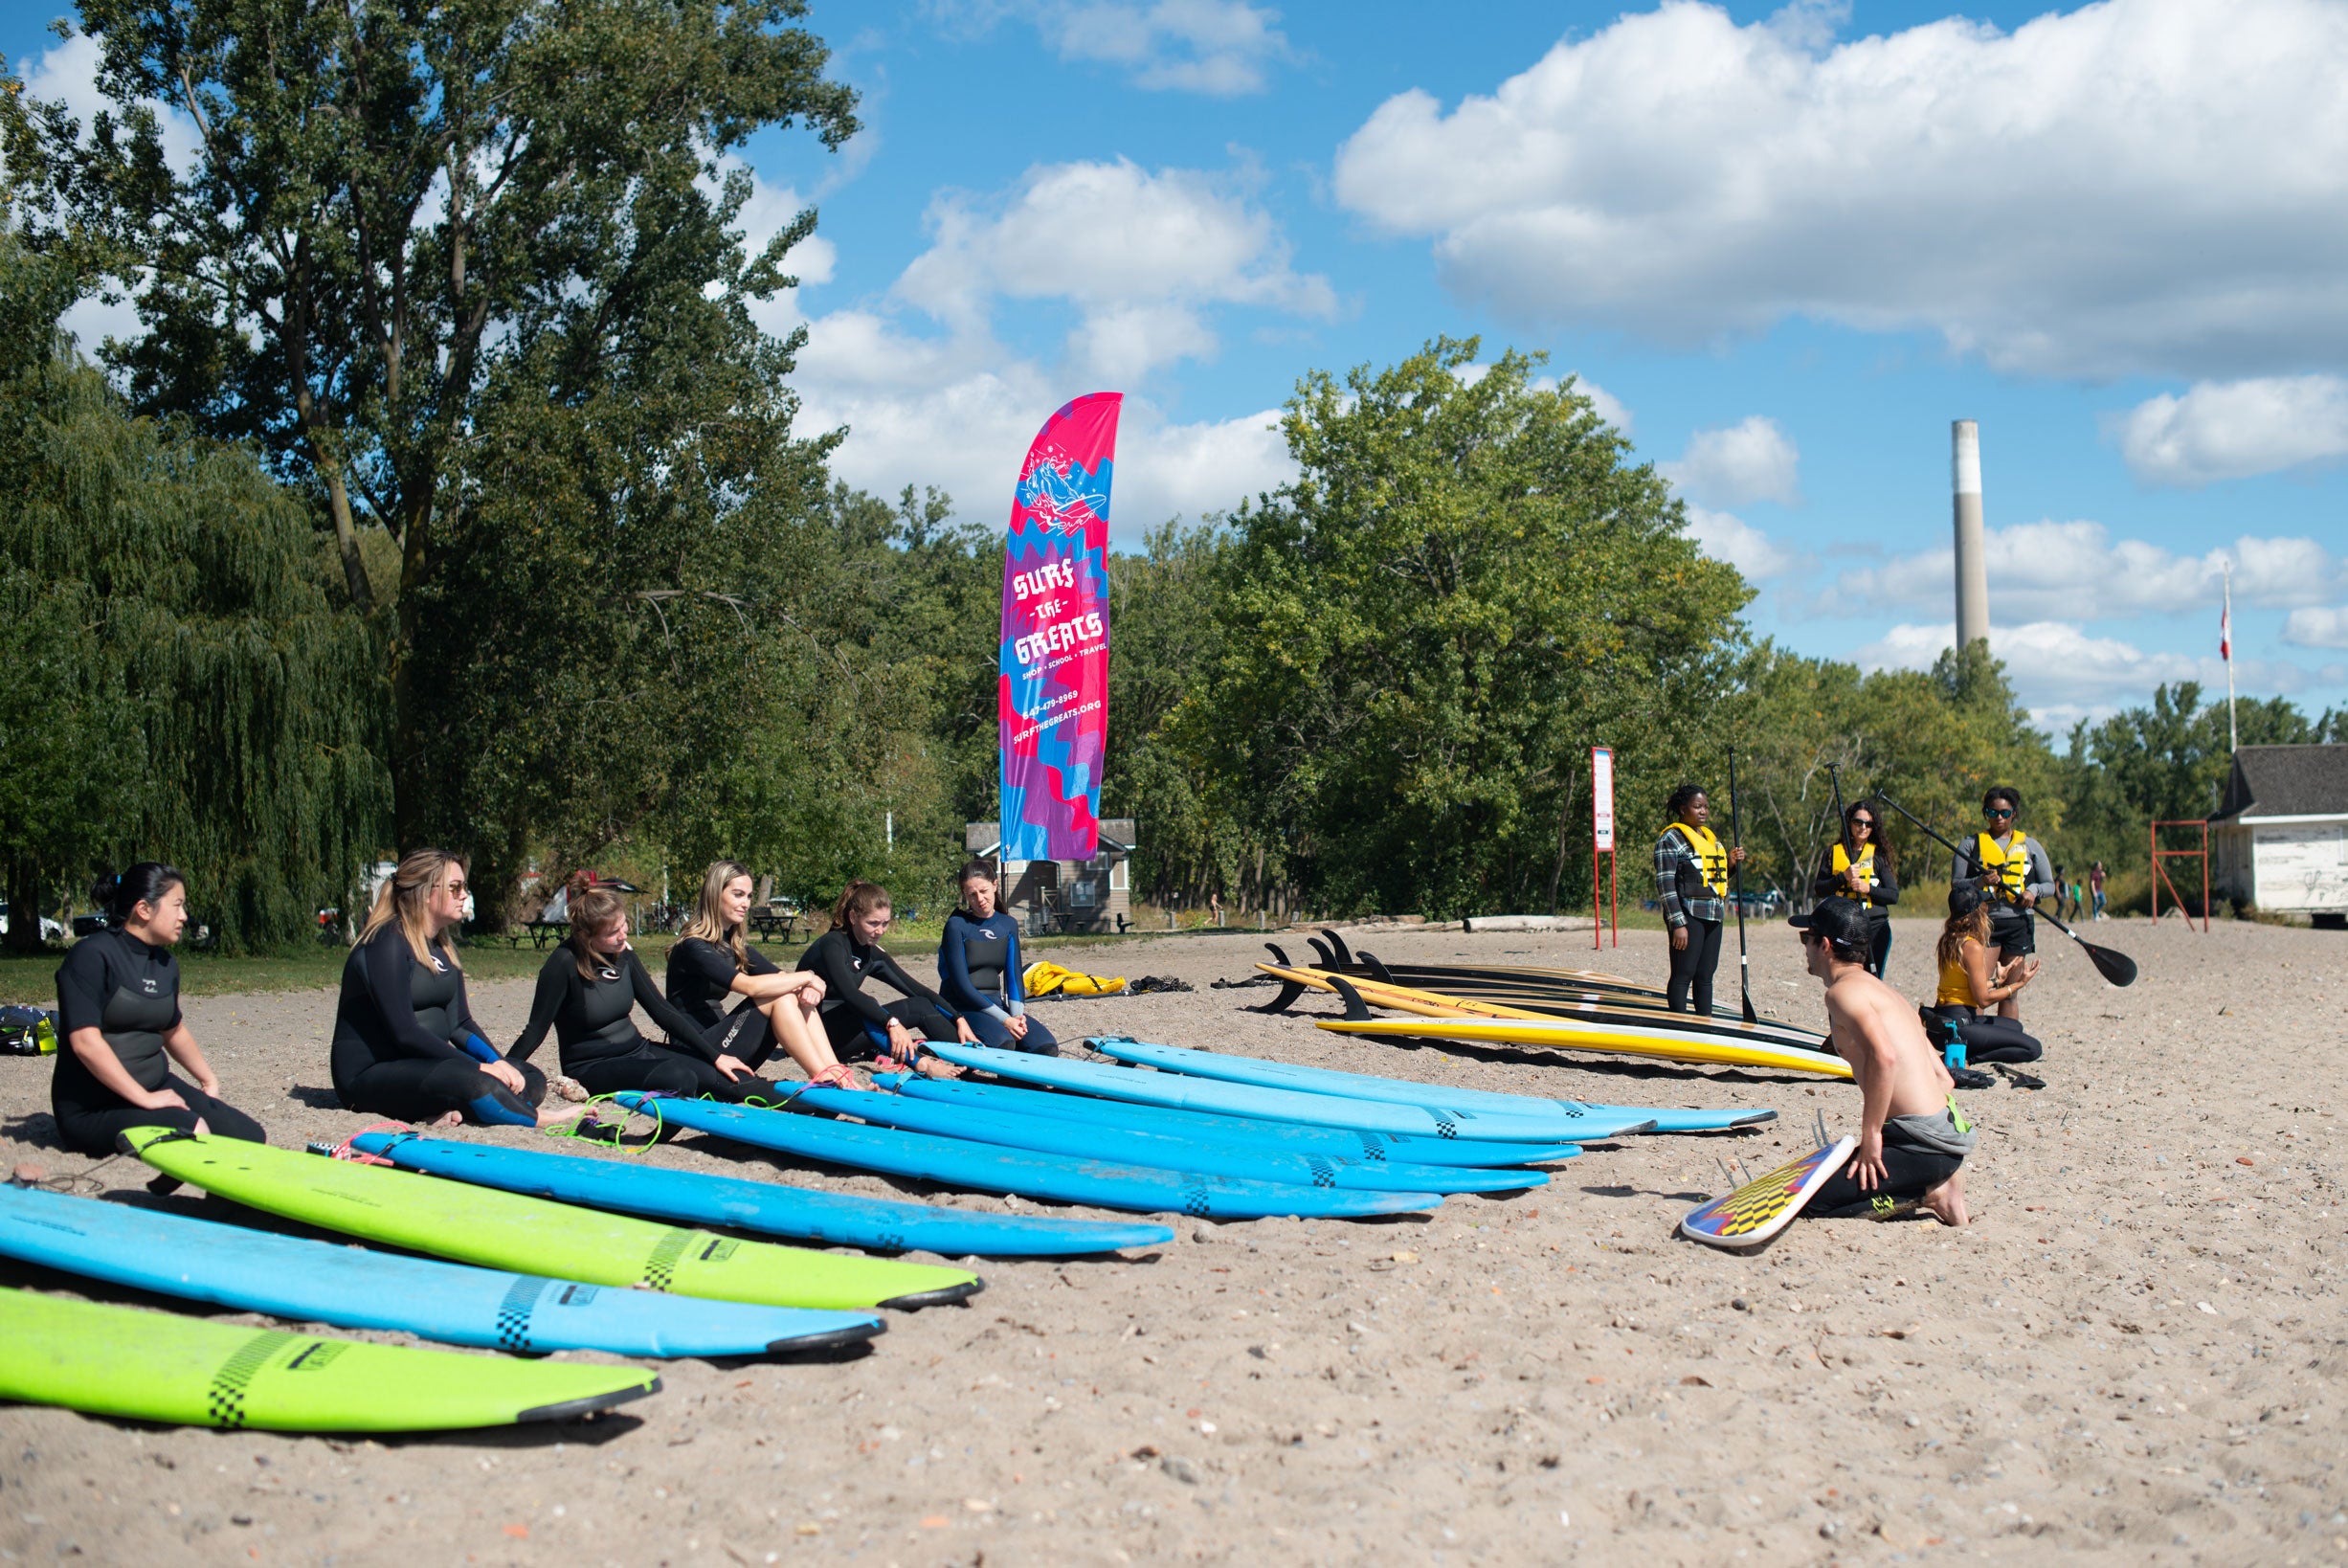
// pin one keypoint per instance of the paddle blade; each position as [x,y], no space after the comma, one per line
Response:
[2116,967]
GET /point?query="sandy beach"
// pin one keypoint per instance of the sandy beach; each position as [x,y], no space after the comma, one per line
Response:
[2134,1354]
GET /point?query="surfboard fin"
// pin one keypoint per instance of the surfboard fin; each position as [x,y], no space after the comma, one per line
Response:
[1273,948]
[1818,1127]
[1377,972]
[1289,991]
[1336,945]
[1328,959]
[1357,1010]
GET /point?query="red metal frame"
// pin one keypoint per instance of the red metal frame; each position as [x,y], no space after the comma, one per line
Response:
[2160,874]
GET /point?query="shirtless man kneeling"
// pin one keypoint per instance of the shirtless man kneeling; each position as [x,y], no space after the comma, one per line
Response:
[1912,1140]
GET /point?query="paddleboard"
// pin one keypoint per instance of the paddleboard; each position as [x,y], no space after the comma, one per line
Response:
[1426,1003]
[1371,1147]
[1161,1151]
[1250,1069]
[987,1168]
[315,1282]
[528,1235]
[1760,1208]
[137,1365]
[1165,1088]
[1606,1039]
[830,1218]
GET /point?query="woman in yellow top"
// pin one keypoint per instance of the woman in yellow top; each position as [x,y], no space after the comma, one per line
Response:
[1973,980]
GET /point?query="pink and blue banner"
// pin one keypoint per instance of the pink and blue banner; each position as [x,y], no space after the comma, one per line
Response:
[1052,679]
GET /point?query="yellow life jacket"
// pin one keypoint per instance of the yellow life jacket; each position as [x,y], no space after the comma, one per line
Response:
[2011,866]
[1711,859]
[1041,979]
[1867,869]
[1956,984]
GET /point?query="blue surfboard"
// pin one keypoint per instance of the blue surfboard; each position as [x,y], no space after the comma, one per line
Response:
[1100,1141]
[695,1198]
[1372,1146]
[1167,1089]
[318,1281]
[1362,1085]
[980,1167]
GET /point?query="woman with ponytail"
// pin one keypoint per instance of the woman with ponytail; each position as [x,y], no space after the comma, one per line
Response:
[118,1008]
[849,954]
[713,960]
[978,968]
[406,1044]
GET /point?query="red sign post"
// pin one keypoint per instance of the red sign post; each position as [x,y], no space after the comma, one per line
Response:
[1601,843]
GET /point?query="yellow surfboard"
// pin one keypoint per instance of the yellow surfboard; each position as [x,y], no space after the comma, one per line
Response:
[1442,1004]
[1609,1036]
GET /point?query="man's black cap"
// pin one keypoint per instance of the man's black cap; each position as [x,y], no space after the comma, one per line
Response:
[1841,921]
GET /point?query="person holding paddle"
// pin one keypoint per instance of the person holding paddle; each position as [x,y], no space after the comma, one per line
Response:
[1692,874]
[2012,869]
[1862,867]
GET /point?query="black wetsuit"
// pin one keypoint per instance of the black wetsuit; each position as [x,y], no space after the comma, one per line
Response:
[593,1019]
[857,1024]
[1920,1152]
[701,976]
[128,991]
[1985,1037]
[979,975]
[1885,893]
[406,1043]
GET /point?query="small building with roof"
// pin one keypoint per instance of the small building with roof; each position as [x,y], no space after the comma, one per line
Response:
[2279,839]
[1094,895]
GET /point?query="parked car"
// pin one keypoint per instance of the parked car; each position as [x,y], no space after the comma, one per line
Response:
[51,931]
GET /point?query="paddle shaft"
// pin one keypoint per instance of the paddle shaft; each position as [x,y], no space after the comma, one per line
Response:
[1736,871]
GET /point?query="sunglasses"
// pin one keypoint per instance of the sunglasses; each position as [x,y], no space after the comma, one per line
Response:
[1863,822]
[1998,810]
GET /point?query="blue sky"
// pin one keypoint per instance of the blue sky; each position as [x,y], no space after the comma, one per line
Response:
[1786,245]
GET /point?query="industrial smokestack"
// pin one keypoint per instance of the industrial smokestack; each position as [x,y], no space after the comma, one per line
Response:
[1972,565]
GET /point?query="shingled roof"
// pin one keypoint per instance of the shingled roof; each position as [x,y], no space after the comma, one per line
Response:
[2287,781]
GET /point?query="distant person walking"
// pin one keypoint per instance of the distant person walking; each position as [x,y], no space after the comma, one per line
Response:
[1691,876]
[2095,886]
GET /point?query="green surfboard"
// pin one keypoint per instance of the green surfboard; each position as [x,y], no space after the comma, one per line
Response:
[153,1366]
[533,1236]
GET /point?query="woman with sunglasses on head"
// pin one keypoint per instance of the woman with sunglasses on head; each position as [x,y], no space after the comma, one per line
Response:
[587,994]
[712,960]
[1861,865]
[2012,870]
[118,1008]
[858,1024]
[404,1041]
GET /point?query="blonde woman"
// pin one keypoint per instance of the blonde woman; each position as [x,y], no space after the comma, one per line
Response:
[406,1043]
[712,961]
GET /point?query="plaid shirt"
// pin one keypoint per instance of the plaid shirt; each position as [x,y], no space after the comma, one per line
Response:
[1675,871]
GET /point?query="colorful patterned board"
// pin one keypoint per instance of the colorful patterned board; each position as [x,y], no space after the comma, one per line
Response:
[1760,1209]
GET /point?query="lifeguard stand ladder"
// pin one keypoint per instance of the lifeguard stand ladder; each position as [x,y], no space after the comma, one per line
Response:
[2160,874]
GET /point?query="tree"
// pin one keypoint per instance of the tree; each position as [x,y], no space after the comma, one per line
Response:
[413,237]
[1467,585]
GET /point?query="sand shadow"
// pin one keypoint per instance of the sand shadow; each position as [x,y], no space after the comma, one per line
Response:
[317,1098]
[1646,1192]
[37,1127]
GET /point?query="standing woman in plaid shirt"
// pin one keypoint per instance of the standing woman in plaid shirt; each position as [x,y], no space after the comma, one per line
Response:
[1692,872]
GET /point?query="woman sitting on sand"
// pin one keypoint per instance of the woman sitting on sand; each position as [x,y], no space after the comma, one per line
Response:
[978,968]
[405,1041]
[118,1007]
[849,954]
[712,961]
[1973,980]
[587,994]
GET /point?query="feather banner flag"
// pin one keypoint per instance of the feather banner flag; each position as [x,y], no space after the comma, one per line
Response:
[1052,674]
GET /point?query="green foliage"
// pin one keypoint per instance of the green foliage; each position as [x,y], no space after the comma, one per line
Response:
[1419,639]
[181,686]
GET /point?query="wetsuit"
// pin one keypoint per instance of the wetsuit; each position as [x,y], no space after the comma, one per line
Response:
[856,1025]
[128,991]
[2018,873]
[1963,1033]
[593,1019]
[979,975]
[1882,891]
[406,1043]
[1691,873]
[701,976]
[1920,1152]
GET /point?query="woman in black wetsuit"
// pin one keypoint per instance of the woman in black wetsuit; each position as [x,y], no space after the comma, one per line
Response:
[1862,867]
[587,994]
[849,954]
[118,1008]
[978,970]
[712,961]
[405,1041]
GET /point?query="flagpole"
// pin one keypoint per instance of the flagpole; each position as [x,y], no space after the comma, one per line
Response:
[2225,647]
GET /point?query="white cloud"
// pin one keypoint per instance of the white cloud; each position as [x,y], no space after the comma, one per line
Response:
[2154,185]
[1737,464]
[1729,538]
[2077,571]
[1610,408]
[1222,47]
[68,72]
[2325,627]
[2061,674]
[2235,429]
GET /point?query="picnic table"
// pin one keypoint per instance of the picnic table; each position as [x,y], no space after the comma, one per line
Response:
[776,924]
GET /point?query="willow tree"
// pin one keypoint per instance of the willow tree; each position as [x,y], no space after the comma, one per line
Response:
[401,222]
[181,686]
